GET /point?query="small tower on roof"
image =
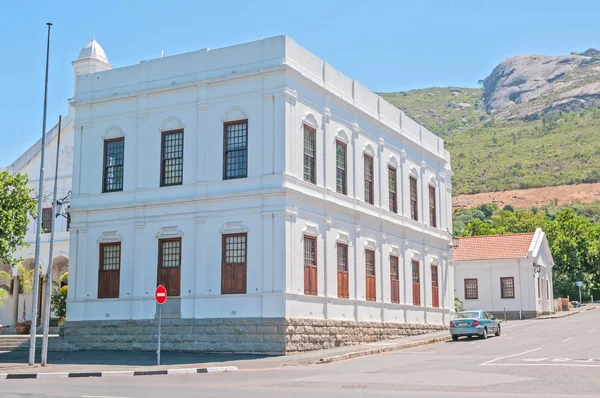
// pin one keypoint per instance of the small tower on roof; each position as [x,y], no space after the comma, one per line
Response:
[92,58]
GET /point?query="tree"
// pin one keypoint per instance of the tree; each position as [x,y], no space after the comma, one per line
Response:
[4,276]
[26,283]
[16,205]
[59,302]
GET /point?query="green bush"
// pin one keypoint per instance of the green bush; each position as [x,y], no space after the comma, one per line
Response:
[58,302]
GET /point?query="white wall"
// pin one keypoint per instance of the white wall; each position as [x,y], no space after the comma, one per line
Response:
[198,92]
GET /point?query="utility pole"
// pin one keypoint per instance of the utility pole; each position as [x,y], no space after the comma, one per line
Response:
[46,309]
[36,265]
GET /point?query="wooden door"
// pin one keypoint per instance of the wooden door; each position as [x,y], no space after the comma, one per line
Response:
[169,265]
[233,264]
[416,282]
[435,294]
[310,265]
[342,270]
[395,279]
[109,270]
[370,270]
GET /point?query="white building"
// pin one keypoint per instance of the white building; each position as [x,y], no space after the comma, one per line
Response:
[266,191]
[92,58]
[506,275]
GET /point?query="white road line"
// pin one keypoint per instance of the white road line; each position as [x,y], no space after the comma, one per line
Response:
[510,356]
[100,396]
[535,359]
[565,340]
[590,331]
[543,364]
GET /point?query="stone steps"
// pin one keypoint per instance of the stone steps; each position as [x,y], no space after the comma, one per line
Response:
[21,342]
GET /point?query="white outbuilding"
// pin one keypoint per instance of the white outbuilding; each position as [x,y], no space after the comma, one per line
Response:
[507,275]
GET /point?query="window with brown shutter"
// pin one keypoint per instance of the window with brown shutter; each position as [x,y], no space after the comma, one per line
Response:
[369,179]
[507,287]
[414,204]
[432,207]
[114,158]
[342,270]
[235,150]
[392,188]
[109,270]
[340,167]
[435,293]
[171,166]
[310,265]
[310,149]
[395,278]
[471,289]
[233,268]
[169,265]
[416,283]
[370,271]
[47,220]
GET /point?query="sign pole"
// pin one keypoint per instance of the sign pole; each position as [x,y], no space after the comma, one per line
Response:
[580,294]
[159,322]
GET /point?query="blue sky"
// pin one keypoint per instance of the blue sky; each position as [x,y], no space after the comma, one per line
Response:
[386,45]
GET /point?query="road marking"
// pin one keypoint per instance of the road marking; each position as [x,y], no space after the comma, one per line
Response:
[561,359]
[100,396]
[565,340]
[544,364]
[510,356]
[535,359]
[590,331]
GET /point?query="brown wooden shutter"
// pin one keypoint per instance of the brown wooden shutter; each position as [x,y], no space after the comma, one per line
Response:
[370,271]
[395,278]
[310,265]
[234,263]
[109,270]
[416,282]
[169,265]
[435,295]
[342,270]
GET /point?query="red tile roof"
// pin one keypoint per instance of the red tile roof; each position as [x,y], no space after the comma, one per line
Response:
[493,247]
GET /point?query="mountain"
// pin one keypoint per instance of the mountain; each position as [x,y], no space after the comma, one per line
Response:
[534,123]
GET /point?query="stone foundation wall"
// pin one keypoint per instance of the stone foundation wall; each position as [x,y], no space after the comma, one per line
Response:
[514,315]
[270,336]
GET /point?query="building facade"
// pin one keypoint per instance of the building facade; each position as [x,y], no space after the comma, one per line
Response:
[507,275]
[267,191]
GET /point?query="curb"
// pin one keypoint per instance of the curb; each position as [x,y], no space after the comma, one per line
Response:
[118,373]
[374,351]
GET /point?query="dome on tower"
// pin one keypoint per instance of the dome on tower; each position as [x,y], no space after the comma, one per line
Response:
[93,50]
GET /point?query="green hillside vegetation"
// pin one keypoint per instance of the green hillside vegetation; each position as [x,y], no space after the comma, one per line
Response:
[573,234]
[491,154]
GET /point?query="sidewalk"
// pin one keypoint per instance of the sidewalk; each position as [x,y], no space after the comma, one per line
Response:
[97,362]
[573,311]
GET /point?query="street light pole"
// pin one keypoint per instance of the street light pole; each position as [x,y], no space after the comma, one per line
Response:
[36,265]
[46,309]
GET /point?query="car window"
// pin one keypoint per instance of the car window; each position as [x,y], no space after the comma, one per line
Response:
[486,315]
[467,314]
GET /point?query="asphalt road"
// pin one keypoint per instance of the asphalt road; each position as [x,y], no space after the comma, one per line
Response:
[550,358]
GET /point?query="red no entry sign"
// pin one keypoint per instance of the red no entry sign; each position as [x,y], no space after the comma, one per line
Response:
[160,294]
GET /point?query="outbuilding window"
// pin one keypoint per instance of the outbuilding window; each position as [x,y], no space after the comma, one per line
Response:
[471,289]
[507,287]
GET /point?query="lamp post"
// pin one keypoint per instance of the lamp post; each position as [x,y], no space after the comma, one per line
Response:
[36,265]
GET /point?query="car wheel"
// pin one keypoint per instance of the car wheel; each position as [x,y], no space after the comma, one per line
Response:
[498,331]
[484,334]
[454,338]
